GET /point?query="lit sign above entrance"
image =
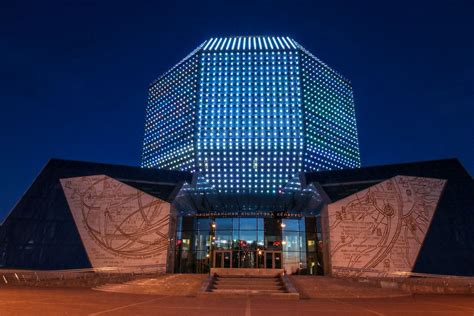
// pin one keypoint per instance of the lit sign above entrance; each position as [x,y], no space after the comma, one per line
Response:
[249,214]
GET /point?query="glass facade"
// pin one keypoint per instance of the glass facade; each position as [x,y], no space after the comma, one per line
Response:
[40,232]
[250,113]
[249,136]
[244,230]
[248,242]
[170,119]
[329,118]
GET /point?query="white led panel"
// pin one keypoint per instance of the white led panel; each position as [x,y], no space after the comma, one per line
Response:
[250,113]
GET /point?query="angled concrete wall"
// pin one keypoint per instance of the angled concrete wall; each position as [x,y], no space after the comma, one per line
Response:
[120,226]
[379,231]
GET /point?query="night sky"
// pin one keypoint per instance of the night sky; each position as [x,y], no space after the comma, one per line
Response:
[74,74]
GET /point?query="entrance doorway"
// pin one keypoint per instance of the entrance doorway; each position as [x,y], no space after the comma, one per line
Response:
[223,259]
[272,259]
[247,259]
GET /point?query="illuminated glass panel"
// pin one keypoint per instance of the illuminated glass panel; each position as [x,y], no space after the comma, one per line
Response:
[170,119]
[249,129]
[329,117]
[250,113]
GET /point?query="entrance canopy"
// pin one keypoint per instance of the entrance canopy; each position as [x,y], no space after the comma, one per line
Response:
[202,199]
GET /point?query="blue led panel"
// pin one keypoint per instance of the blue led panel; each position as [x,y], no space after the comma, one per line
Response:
[329,117]
[170,118]
[250,113]
[249,135]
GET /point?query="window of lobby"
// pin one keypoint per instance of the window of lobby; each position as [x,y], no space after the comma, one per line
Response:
[245,242]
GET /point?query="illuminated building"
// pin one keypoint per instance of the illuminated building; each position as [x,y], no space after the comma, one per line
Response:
[250,113]
[250,160]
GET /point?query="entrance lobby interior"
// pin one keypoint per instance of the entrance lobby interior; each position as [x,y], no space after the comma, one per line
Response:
[248,242]
[247,259]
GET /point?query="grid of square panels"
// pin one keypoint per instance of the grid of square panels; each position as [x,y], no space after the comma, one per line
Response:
[170,119]
[249,129]
[330,129]
[251,113]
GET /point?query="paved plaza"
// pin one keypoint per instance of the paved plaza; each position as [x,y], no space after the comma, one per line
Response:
[47,301]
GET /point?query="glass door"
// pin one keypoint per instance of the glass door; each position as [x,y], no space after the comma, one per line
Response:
[277,260]
[260,259]
[247,259]
[223,259]
[273,259]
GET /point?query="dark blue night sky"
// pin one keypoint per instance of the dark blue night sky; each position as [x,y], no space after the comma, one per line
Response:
[74,74]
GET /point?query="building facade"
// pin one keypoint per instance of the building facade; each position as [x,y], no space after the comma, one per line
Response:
[247,115]
[391,220]
[250,113]
[250,160]
[80,214]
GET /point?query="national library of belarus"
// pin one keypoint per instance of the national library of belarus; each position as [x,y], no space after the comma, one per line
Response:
[250,160]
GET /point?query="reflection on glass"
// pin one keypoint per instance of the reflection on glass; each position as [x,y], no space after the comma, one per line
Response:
[201,242]
[260,259]
[273,242]
[311,245]
[236,224]
[291,225]
[249,236]
[260,225]
[201,255]
[260,238]
[203,224]
[223,240]
[248,224]
[247,259]
[292,259]
[246,242]
[291,241]
[185,244]
[224,224]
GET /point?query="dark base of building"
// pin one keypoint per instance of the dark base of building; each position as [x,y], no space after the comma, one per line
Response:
[178,226]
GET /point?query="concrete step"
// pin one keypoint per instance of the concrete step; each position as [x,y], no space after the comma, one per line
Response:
[236,282]
[258,284]
[261,289]
[246,278]
[247,291]
[248,284]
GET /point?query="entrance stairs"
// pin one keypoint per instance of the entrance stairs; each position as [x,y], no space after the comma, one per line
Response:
[249,282]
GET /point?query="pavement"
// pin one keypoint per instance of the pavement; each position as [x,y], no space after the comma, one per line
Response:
[308,286]
[67,301]
[168,284]
[331,288]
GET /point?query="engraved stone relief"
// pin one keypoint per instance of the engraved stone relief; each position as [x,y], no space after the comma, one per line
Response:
[119,225]
[379,231]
